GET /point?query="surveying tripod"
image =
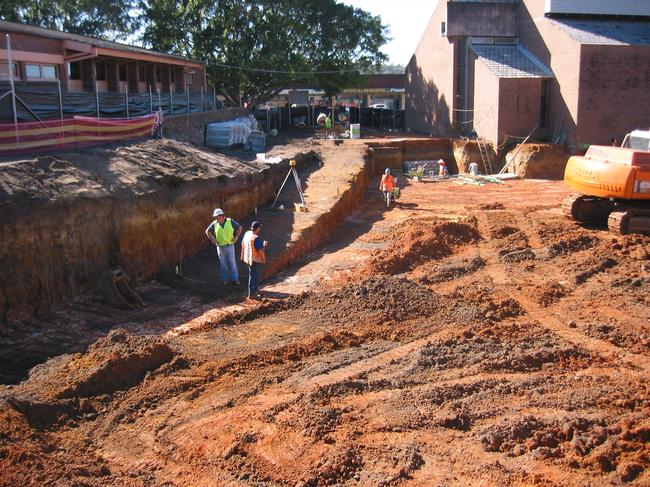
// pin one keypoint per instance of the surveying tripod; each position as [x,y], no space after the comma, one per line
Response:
[292,170]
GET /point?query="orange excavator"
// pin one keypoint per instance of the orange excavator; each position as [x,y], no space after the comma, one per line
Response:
[612,184]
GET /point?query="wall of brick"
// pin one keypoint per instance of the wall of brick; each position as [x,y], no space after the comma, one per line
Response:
[486,101]
[519,105]
[430,80]
[191,127]
[614,92]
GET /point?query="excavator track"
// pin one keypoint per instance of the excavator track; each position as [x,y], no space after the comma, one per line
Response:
[586,209]
[628,221]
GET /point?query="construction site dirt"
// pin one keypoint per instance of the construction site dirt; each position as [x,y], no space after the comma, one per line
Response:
[467,336]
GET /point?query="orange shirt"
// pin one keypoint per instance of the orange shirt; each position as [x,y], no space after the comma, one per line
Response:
[387,183]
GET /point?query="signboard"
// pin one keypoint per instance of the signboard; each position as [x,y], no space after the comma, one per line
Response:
[299,97]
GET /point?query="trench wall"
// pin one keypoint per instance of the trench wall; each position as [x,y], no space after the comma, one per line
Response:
[321,230]
[455,152]
[190,127]
[53,252]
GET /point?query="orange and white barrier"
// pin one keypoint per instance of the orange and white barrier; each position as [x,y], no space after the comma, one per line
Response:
[71,133]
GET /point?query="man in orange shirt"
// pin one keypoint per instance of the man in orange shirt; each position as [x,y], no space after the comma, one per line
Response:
[387,185]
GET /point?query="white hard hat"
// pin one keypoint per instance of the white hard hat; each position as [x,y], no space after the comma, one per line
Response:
[387,171]
[217,212]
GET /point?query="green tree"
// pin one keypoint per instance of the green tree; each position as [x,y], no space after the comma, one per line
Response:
[106,19]
[254,48]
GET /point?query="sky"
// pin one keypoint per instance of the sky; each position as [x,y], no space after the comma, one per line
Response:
[406,20]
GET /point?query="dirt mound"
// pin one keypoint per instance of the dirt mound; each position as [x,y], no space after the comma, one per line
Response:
[513,348]
[542,161]
[467,151]
[378,299]
[59,388]
[582,442]
[492,306]
[419,242]
[491,206]
[449,271]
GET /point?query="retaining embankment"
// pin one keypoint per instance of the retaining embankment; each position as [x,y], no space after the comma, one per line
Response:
[455,152]
[191,127]
[65,221]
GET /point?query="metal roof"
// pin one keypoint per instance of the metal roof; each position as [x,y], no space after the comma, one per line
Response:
[606,32]
[57,34]
[511,61]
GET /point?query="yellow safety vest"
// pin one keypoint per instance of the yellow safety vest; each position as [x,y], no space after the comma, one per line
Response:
[224,235]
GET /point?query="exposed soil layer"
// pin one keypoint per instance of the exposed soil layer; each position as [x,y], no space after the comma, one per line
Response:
[157,229]
[440,343]
[543,161]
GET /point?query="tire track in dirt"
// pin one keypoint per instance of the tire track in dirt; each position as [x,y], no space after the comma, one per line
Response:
[547,317]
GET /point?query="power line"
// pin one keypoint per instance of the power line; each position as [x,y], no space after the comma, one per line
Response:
[276,71]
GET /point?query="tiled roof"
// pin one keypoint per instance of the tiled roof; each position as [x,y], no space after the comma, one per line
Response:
[511,61]
[606,32]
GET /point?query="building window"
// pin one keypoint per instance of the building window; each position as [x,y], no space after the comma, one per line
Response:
[100,71]
[48,72]
[33,71]
[4,70]
[443,28]
[40,71]
[123,72]
[74,70]
[189,79]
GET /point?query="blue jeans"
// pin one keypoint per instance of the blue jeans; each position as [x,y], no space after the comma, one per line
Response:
[253,279]
[227,263]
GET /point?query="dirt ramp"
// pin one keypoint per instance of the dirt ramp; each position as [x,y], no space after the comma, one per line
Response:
[541,161]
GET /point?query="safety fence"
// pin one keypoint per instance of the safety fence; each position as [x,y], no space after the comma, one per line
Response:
[72,133]
[306,116]
[46,100]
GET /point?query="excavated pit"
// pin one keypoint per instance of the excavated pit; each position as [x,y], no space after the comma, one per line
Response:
[466,336]
[79,257]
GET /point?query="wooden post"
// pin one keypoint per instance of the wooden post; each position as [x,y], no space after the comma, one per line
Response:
[159,101]
[60,102]
[126,99]
[150,101]
[202,100]
[171,100]
[97,100]
[187,92]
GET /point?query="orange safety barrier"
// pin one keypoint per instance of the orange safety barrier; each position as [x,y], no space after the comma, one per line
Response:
[71,133]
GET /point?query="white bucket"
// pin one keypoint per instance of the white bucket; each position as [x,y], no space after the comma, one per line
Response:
[355,130]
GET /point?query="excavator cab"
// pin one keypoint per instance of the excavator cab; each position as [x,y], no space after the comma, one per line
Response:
[637,140]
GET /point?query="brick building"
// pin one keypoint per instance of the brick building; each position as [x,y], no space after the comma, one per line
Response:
[565,70]
[86,64]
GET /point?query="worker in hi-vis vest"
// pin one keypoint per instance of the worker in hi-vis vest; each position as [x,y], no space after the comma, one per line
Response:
[253,253]
[387,185]
[224,232]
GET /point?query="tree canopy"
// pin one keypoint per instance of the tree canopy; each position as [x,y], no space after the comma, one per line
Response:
[106,19]
[256,47]
[252,48]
